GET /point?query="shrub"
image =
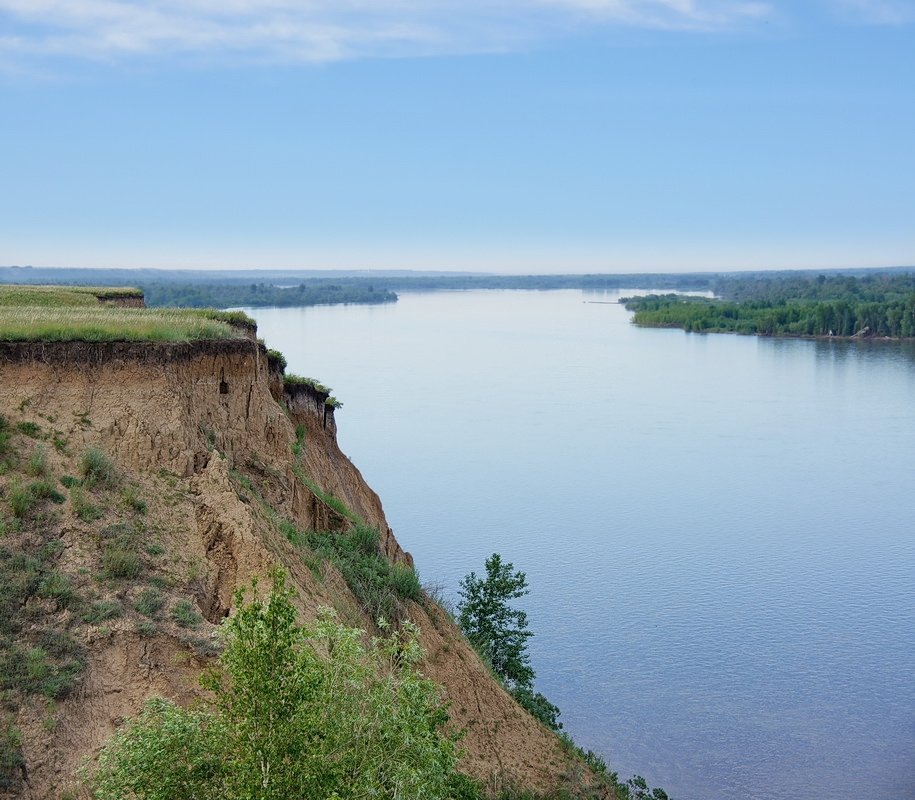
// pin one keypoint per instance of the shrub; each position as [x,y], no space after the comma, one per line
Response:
[102,610]
[83,506]
[185,615]
[29,429]
[120,562]
[55,586]
[146,628]
[69,481]
[131,496]
[149,602]
[44,489]
[286,722]
[21,500]
[97,469]
[37,465]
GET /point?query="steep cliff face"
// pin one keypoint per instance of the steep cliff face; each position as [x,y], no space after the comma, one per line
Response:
[213,457]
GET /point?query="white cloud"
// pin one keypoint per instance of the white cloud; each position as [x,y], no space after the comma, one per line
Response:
[327,30]
[879,12]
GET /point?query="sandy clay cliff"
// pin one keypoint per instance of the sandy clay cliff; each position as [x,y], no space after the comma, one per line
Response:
[113,588]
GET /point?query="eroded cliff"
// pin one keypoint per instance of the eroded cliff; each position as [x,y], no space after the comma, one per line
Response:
[217,462]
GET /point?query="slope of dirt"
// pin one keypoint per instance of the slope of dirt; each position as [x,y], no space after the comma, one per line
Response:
[213,456]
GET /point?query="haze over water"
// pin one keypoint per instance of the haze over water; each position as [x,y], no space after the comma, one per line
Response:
[716,530]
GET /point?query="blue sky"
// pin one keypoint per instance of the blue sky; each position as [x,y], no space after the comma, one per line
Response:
[511,135]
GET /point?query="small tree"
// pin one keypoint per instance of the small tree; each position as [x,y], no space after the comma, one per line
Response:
[498,631]
[287,722]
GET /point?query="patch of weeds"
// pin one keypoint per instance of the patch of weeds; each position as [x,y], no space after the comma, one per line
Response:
[327,497]
[154,549]
[24,404]
[185,615]
[203,646]
[21,500]
[5,445]
[40,670]
[102,610]
[119,561]
[83,507]
[70,481]
[149,602]
[81,418]
[11,759]
[380,586]
[146,627]
[299,444]
[60,443]
[131,496]
[32,429]
[55,586]
[277,359]
[37,465]
[97,469]
[44,489]
[292,533]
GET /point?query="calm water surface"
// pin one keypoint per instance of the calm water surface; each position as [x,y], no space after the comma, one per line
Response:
[717,530]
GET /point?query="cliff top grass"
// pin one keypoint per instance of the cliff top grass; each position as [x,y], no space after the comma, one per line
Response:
[62,296]
[78,314]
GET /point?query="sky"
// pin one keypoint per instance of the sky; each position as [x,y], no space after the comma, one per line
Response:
[501,136]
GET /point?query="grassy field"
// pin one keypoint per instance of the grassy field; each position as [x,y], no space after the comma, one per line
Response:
[77,313]
[62,296]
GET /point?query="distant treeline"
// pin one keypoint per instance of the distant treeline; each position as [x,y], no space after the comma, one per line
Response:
[214,295]
[880,304]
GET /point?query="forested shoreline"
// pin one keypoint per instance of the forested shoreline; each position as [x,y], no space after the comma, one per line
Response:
[878,305]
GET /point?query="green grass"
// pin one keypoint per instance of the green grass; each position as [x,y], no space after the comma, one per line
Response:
[11,758]
[30,429]
[37,464]
[57,587]
[21,500]
[131,496]
[116,324]
[292,381]
[120,562]
[97,469]
[185,615]
[103,610]
[149,602]
[82,506]
[380,586]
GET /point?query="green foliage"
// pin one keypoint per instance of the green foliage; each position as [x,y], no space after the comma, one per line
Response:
[299,444]
[225,294]
[44,489]
[112,324]
[538,706]
[149,602]
[103,610]
[291,382]
[185,614]
[97,469]
[32,429]
[82,505]
[790,305]
[277,359]
[21,500]
[11,759]
[37,465]
[132,499]
[57,587]
[286,722]
[36,670]
[380,586]
[119,561]
[497,630]
[69,481]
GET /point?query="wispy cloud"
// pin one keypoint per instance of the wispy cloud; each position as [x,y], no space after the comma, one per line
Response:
[328,30]
[879,12]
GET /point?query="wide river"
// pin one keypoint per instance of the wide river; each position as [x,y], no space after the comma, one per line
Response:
[717,530]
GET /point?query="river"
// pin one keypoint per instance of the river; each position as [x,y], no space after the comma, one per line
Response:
[717,530]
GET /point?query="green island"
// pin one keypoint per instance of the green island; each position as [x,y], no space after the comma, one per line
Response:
[878,305]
